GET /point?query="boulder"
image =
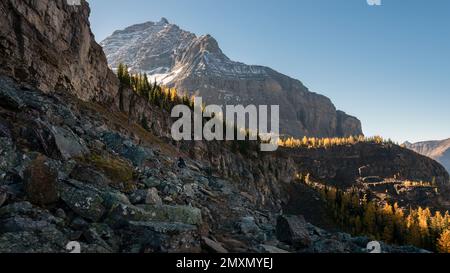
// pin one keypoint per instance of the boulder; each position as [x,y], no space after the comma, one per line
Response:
[68,144]
[88,175]
[293,230]
[127,149]
[101,235]
[329,246]
[247,225]
[152,197]
[272,249]
[152,182]
[150,237]
[53,141]
[182,214]
[48,240]
[84,202]
[213,246]
[9,97]
[138,197]
[164,213]
[41,182]
[23,216]
[8,155]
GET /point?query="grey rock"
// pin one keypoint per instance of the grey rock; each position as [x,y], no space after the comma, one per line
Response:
[88,175]
[293,230]
[180,214]
[24,216]
[124,147]
[101,235]
[213,246]
[248,226]
[152,197]
[84,202]
[272,249]
[68,144]
[8,154]
[329,246]
[48,240]
[138,197]
[79,223]
[189,190]
[60,213]
[139,237]
[152,182]
[9,97]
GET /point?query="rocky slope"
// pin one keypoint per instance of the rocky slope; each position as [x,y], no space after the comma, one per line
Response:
[74,171]
[85,171]
[178,58]
[438,150]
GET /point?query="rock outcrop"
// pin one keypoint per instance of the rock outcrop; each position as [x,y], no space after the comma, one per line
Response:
[180,59]
[48,44]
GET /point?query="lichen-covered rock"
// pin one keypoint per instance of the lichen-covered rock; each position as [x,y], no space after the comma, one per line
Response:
[149,237]
[153,198]
[181,214]
[162,213]
[42,241]
[84,202]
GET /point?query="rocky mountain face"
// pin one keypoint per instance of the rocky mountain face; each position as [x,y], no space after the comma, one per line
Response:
[437,150]
[49,45]
[197,65]
[75,167]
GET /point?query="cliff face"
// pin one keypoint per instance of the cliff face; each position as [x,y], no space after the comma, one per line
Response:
[48,44]
[180,59]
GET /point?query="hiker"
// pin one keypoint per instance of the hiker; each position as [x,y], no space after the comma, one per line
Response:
[181,163]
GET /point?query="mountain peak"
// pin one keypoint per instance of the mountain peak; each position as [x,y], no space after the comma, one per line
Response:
[163,21]
[209,44]
[178,58]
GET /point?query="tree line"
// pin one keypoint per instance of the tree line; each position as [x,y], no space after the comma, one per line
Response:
[166,98]
[315,143]
[386,222]
[161,96]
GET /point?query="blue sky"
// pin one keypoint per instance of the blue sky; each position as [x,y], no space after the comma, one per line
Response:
[388,65]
